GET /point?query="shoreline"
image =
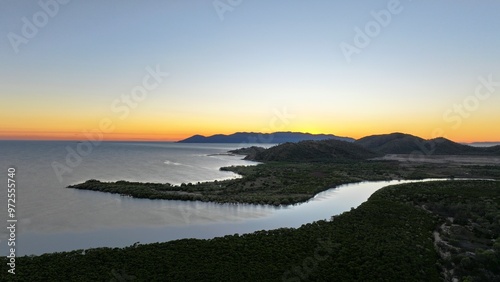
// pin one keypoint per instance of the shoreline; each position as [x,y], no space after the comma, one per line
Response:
[397,220]
[287,183]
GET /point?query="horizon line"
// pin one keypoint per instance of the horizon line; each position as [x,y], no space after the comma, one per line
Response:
[177,140]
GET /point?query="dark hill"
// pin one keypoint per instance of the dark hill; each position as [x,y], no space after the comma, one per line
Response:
[263,138]
[495,150]
[251,152]
[394,143]
[314,151]
[400,143]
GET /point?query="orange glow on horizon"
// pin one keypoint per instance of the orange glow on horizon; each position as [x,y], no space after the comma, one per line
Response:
[172,137]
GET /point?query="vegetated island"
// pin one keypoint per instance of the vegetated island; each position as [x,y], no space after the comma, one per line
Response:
[427,231]
[295,172]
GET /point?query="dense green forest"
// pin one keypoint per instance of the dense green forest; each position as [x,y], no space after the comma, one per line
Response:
[391,237]
[270,183]
[468,235]
[284,183]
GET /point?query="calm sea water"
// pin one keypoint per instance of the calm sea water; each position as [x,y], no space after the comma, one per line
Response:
[52,218]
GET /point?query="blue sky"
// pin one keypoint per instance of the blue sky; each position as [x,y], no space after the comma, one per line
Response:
[231,73]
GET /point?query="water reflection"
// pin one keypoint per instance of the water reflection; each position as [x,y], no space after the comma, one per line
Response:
[164,220]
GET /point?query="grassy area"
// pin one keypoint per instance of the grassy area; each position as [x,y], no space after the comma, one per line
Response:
[391,237]
[283,183]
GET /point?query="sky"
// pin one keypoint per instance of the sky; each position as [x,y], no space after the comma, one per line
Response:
[166,70]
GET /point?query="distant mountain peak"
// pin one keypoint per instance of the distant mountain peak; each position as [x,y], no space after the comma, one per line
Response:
[402,143]
[262,138]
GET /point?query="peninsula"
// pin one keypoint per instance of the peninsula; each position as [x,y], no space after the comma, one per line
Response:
[294,172]
[428,231]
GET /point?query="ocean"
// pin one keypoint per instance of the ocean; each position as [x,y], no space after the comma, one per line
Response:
[44,168]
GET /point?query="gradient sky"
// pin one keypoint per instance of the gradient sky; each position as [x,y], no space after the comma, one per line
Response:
[260,66]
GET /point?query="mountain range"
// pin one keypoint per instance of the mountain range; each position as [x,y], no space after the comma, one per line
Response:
[262,138]
[401,143]
[332,150]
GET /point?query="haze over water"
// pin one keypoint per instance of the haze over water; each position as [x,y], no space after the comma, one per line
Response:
[44,205]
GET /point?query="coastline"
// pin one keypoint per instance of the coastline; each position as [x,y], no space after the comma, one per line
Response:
[288,183]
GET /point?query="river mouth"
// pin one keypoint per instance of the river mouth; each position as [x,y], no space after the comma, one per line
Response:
[179,219]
